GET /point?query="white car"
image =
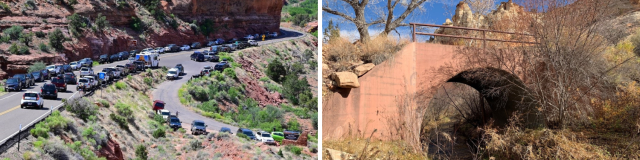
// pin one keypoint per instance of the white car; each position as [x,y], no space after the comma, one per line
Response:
[274,34]
[252,42]
[31,99]
[53,69]
[249,37]
[185,48]
[265,137]
[172,74]
[84,84]
[165,114]
[75,65]
[85,71]
[159,50]
[93,82]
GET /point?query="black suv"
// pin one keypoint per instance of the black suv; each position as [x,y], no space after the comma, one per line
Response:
[196,45]
[172,48]
[49,91]
[123,55]
[23,80]
[69,78]
[103,59]
[37,76]
[13,84]
[45,74]
[114,58]
[241,44]
[221,66]
[67,68]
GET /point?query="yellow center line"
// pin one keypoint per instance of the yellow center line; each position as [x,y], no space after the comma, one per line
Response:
[7,111]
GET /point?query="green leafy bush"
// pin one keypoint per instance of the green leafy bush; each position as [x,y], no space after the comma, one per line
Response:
[141,152]
[207,28]
[121,85]
[294,149]
[5,7]
[101,22]
[105,103]
[26,38]
[136,24]
[24,50]
[293,87]
[56,38]
[230,72]
[76,24]
[293,124]
[124,110]
[182,130]
[148,81]
[195,144]
[40,34]
[158,118]
[43,47]
[13,32]
[122,122]
[37,66]
[276,70]
[81,107]
[13,49]
[264,79]
[243,136]
[160,132]
[54,122]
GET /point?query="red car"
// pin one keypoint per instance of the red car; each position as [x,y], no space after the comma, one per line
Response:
[60,84]
[158,105]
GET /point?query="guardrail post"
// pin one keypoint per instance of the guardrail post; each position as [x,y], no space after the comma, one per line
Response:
[413,33]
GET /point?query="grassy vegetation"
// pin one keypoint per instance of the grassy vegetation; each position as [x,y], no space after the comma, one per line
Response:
[305,12]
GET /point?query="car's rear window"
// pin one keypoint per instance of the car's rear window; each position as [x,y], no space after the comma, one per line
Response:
[49,86]
[83,80]
[30,95]
[73,63]
[160,105]
[85,69]
[57,80]
[68,76]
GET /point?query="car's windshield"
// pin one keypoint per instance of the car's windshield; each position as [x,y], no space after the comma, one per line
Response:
[83,80]
[50,67]
[36,73]
[160,105]
[19,76]
[266,135]
[165,113]
[175,120]
[73,63]
[278,134]
[68,76]
[103,56]
[248,133]
[199,124]
[172,72]
[12,80]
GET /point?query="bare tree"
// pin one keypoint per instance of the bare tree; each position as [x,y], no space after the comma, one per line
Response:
[482,7]
[387,16]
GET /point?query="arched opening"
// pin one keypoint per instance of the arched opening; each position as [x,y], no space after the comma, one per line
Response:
[470,100]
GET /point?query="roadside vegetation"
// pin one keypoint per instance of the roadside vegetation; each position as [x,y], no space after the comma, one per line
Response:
[301,13]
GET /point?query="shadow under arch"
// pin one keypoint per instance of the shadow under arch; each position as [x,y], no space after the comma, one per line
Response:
[505,93]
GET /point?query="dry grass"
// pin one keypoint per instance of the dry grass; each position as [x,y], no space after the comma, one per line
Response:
[375,149]
[342,54]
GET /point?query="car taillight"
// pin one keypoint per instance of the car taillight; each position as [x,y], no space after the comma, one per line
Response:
[37,98]
[23,96]
[42,90]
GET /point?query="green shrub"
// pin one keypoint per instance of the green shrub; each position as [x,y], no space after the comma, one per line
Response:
[105,103]
[37,66]
[233,92]
[199,93]
[24,50]
[40,130]
[13,32]
[264,79]
[209,106]
[182,130]
[54,122]
[40,34]
[13,49]
[207,28]
[76,24]
[230,72]
[72,2]
[195,144]
[293,124]
[276,70]
[101,22]
[158,118]
[314,120]
[160,132]
[121,85]
[136,24]
[273,87]
[81,107]
[297,68]
[43,47]
[294,149]
[243,136]
[293,87]
[280,153]
[124,110]
[5,7]
[141,152]
[122,122]
[148,81]
[56,38]
[26,38]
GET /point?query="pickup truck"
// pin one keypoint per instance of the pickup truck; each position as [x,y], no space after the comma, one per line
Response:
[93,81]
[84,84]
[85,71]
[123,70]
[114,72]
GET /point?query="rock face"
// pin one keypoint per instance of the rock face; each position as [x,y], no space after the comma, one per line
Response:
[231,19]
[362,69]
[345,79]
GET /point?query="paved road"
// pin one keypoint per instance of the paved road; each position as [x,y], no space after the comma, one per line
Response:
[12,116]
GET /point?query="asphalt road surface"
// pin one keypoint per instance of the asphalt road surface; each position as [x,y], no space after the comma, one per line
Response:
[12,116]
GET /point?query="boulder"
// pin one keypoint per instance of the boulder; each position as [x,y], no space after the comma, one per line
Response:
[345,79]
[362,69]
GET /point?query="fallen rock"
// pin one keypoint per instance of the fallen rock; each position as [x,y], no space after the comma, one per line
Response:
[362,69]
[345,79]
[337,155]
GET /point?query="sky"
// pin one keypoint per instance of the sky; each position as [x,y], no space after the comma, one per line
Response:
[435,12]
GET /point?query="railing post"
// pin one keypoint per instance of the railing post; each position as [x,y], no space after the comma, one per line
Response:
[484,42]
[413,36]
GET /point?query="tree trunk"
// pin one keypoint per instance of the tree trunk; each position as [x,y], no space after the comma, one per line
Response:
[364,33]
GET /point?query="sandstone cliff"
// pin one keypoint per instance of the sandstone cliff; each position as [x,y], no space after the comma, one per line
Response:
[231,18]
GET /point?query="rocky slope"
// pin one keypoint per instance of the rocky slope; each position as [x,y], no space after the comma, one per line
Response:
[231,19]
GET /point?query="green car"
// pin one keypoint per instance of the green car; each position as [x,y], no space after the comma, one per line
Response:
[277,136]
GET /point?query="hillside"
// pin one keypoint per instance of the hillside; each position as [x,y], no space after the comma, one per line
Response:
[92,28]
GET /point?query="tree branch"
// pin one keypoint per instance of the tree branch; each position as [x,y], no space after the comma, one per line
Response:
[331,11]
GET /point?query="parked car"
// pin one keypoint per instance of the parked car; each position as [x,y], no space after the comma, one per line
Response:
[87,62]
[277,136]
[211,56]
[252,42]
[194,55]
[247,132]
[180,69]
[219,41]
[49,91]
[291,135]
[232,46]
[211,43]
[69,78]
[31,99]
[172,48]
[133,53]
[53,70]
[199,57]
[131,67]
[198,127]
[23,80]
[123,55]
[172,74]
[249,37]
[225,129]
[185,47]
[37,76]
[205,72]
[139,65]
[196,45]
[13,84]
[45,74]
[104,76]
[232,40]
[103,59]
[94,81]
[74,65]
[159,50]
[265,137]
[224,48]
[221,66]
[114,58]
[84,71]
[114,72]
[147,50]
[60,85]
[83,84]
[241,44]
[174,122]
[273,35]
[30,79]
[123,69]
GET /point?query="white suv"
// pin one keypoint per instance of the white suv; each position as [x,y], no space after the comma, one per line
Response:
[85,71]
[172,74]
[265,137]
[32,99]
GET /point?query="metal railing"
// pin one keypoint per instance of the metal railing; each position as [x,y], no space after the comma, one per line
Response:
[483,39]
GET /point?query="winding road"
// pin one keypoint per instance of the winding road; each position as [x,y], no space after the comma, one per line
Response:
[12,116]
